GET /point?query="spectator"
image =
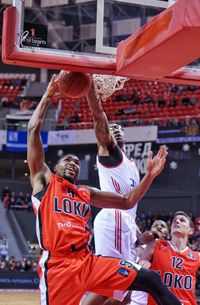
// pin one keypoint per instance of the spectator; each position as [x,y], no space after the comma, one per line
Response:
[6,201]
[3,266]
[12,200]
[27,201]
[3,247]
[20,199]
[5,191]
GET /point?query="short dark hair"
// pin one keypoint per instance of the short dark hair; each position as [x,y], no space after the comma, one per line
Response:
[187,216]
[66,155]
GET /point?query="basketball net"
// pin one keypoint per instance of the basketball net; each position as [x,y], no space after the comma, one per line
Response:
[106,85]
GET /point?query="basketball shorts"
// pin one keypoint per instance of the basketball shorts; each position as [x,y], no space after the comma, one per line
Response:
[115,235]
[63,280]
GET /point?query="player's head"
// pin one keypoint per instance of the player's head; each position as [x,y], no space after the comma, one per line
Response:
[118,133]
[182,224]
[68,167]
[160,229]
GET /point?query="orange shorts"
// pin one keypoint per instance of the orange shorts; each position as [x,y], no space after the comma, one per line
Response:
[63,280]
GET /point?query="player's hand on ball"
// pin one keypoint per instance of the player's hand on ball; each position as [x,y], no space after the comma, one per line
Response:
[53,86]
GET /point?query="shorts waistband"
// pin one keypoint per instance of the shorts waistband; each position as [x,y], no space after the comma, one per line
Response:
[73,250]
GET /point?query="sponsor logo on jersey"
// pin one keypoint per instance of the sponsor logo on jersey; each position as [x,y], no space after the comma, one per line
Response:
[123,272]
[68,224]
[133,183]
[191,255]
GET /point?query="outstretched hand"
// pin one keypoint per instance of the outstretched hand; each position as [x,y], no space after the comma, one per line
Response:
[155,165]
[53,86]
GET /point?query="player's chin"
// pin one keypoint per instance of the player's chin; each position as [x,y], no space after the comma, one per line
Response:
[120,142]
[70,177]
[118,138]
[157,235]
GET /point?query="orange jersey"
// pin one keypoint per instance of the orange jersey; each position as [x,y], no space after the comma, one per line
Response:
[66,268]
[62,212]
[177,270]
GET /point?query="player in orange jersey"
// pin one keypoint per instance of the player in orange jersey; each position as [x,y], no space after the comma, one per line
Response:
[66,267]
[174,261]
[159,229]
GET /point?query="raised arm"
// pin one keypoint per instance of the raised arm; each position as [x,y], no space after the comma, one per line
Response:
[101,125]
[111,200]
[35,153]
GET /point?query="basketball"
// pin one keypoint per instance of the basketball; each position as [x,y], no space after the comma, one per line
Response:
[74,84]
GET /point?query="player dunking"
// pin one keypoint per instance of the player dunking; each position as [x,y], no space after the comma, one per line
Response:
[114,229]
[66,268]
[175,262]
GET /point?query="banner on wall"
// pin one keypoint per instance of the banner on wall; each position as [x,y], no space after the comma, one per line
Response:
[139,153]
[19,280]
[179,134]
[87,136]
[17,140]
[62,137]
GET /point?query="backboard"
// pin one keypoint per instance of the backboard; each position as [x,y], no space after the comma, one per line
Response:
[84,35]
[91,27]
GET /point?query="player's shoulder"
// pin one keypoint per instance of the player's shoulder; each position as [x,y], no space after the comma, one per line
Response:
[84,192]
[162,244]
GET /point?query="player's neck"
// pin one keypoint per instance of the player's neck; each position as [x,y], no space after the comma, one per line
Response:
[69,179]
[179,243]
[122,146]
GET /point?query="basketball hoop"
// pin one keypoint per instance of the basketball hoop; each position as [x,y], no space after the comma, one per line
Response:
[106,85]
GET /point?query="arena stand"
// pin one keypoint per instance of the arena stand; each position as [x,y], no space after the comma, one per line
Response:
[139,103]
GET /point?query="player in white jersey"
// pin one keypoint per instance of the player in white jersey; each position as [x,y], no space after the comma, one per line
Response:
[114,230]
[119,228]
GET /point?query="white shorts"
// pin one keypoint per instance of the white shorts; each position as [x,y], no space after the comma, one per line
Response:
[115,235]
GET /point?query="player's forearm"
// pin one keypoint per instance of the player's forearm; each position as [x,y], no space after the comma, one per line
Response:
[101,124]
[39,113]
[136,194]
[94,103]
[124,202]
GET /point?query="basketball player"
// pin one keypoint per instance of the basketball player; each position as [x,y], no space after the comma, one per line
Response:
[159,230]
[174,261]
[115,231]
[66,268]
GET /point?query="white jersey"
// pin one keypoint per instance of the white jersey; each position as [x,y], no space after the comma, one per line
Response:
[117,225]
[120,178]
[114,229]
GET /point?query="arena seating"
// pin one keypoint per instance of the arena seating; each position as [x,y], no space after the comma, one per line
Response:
[138,103]
[10,89]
